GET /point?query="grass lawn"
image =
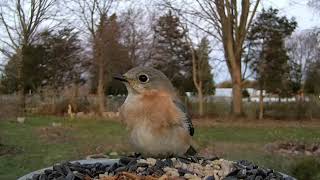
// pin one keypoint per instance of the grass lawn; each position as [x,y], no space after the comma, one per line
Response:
[37,143]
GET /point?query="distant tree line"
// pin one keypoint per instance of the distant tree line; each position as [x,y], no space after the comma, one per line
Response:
[59,56]
[100,40]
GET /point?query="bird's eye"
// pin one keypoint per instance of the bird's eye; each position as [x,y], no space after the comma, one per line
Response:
[143,78]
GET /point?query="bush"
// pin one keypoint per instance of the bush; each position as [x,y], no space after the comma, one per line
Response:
[308,169]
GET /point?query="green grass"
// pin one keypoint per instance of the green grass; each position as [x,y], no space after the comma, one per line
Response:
[37,144]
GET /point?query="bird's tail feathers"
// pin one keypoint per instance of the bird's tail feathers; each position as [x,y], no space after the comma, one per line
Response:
[192,149]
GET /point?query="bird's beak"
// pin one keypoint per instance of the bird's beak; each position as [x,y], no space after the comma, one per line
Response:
[120,78]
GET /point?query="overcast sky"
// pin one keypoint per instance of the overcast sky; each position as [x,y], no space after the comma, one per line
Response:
[306,17]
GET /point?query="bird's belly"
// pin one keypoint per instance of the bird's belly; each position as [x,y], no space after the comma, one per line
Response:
[170,141]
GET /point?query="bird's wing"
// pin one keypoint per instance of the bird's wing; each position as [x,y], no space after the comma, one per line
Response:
[187,123]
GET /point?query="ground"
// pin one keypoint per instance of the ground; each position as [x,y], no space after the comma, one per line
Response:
[42,141]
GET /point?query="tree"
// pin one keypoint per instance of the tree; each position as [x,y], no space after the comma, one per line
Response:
[20,20]
[314,4]
[312,77]
[268,56]
[64,60]
[228,21]
[93,14]
[171,54]
[202,77]
[54,61]
[303,49]
[136,35]
[111,56]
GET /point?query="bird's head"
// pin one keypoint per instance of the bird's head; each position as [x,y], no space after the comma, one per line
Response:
[143,79]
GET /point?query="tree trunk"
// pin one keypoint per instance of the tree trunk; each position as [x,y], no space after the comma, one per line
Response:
[74,97]
[101,96]
[200,99]
[237,93]
[21,95]
[261,104]
[22,102]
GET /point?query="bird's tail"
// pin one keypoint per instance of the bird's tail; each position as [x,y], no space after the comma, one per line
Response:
[192,149]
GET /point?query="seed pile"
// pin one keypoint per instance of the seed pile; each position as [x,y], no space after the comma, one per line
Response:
[171,168]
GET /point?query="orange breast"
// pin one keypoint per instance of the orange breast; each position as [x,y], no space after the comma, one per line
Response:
[154,107]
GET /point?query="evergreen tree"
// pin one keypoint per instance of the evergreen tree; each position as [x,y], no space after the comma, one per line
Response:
[268,58]
[312,78]
[204,68]
[171,54]
[52,61]
[63,61]
[110,55]
[267,53]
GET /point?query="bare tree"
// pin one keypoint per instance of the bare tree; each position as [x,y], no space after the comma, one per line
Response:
[314,4]
[136,34]
[200,59]
[227,21]
[92,13]
[303,49]
[20,21]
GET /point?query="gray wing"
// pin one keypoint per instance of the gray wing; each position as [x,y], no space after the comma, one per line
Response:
[187,118]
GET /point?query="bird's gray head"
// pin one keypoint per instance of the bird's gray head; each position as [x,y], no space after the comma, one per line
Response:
[142,79]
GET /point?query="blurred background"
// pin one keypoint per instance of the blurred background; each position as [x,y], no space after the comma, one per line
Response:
[248,71]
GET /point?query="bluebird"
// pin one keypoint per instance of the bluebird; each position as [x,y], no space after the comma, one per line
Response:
[157,120]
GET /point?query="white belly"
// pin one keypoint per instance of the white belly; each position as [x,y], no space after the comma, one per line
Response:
[168,142]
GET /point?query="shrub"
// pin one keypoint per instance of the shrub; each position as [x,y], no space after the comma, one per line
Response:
[308,169]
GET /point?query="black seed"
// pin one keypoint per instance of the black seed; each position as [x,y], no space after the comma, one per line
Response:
[35,176]
[160,164]
[133,168]
[239,166]
[262,172]
[288,178]
[168,162]
[42,177]
[234,172]
[252,171]
[230,178]
[98,165]
[182,172]
[249,167]
[79,175]
[244,162]
[104,167]
[251,177]
[209,178]
[158,172]
[70,176]
[242,173]
[184,160]
[120,169]
[142,164]
[131,163]
[48,171]
[58,169]
[150,170]
[50,176]
[88,172]
[125,160]
[60,178]
[113,167]
[194,159]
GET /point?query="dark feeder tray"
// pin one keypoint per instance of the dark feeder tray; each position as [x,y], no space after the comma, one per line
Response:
[111,162]
[89,161]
